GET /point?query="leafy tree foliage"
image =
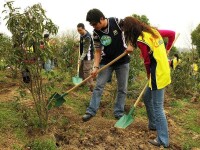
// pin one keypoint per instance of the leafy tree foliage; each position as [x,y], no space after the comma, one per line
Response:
[184,81]
[27,29]
[5,50]
[195,35]
[142,18]
[69,51]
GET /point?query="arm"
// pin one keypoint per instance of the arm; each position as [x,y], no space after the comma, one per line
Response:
[144,51]
[86,46]
[97,55]
[170,35]
[97,58]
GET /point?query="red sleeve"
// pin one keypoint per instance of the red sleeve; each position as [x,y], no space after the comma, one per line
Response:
[145,54]
[170,35]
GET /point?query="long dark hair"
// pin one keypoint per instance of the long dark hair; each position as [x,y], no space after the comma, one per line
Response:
[133,28]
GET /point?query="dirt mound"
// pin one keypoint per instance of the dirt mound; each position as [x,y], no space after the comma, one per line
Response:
[100,133]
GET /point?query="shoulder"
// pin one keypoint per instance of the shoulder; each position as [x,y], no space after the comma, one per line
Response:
[95,35]
[87,35]
[117,21]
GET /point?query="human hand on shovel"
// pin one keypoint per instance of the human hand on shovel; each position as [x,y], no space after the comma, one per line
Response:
[57,100]
[94,72]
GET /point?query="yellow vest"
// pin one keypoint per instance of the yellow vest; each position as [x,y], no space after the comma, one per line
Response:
[157,47]
[175,63]
[195,67]
[30,49]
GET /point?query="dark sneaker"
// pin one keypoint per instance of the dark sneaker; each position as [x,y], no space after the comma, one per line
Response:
[154,142]
[118,117]
[86,117]
[152,129]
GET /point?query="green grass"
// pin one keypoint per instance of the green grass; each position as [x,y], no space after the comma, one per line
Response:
[190,143]
[191,122]
[177,104]
[2,76]
[11,122]
[2,64]
[43,144]
[141,111]
[186,115]
[9,118]
[183,112]
[79,100]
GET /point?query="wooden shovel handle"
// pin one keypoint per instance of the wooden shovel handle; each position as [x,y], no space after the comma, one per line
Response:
[140,96]
[104,67]
[78,66]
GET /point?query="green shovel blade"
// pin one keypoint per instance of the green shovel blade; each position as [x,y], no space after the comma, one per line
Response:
[125,120]
[56,100]
[76,80]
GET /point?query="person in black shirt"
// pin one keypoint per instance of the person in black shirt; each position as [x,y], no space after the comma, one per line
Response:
[109,43]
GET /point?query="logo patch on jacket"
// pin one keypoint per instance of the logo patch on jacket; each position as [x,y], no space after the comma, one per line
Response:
[106,40]
[115,32]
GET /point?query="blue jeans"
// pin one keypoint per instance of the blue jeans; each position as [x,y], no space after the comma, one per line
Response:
[154,102]
[49,64]
[122,72]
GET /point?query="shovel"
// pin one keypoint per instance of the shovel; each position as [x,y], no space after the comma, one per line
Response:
[76,80]
[126,120]
[57,100]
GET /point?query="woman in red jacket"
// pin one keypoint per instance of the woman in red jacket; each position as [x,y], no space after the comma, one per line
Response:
[150,42]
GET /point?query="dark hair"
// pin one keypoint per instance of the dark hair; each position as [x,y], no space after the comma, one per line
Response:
[176,55]
[46,36]
[133,28]
[94,15]
[81,25]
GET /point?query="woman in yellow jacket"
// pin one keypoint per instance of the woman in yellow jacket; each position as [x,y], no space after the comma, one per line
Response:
[194,69]
[150,42]
[175,61]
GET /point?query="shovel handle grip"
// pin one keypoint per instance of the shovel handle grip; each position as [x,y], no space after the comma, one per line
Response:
[104,67]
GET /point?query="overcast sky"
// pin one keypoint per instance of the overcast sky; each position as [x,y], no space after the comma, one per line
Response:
[180,16]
